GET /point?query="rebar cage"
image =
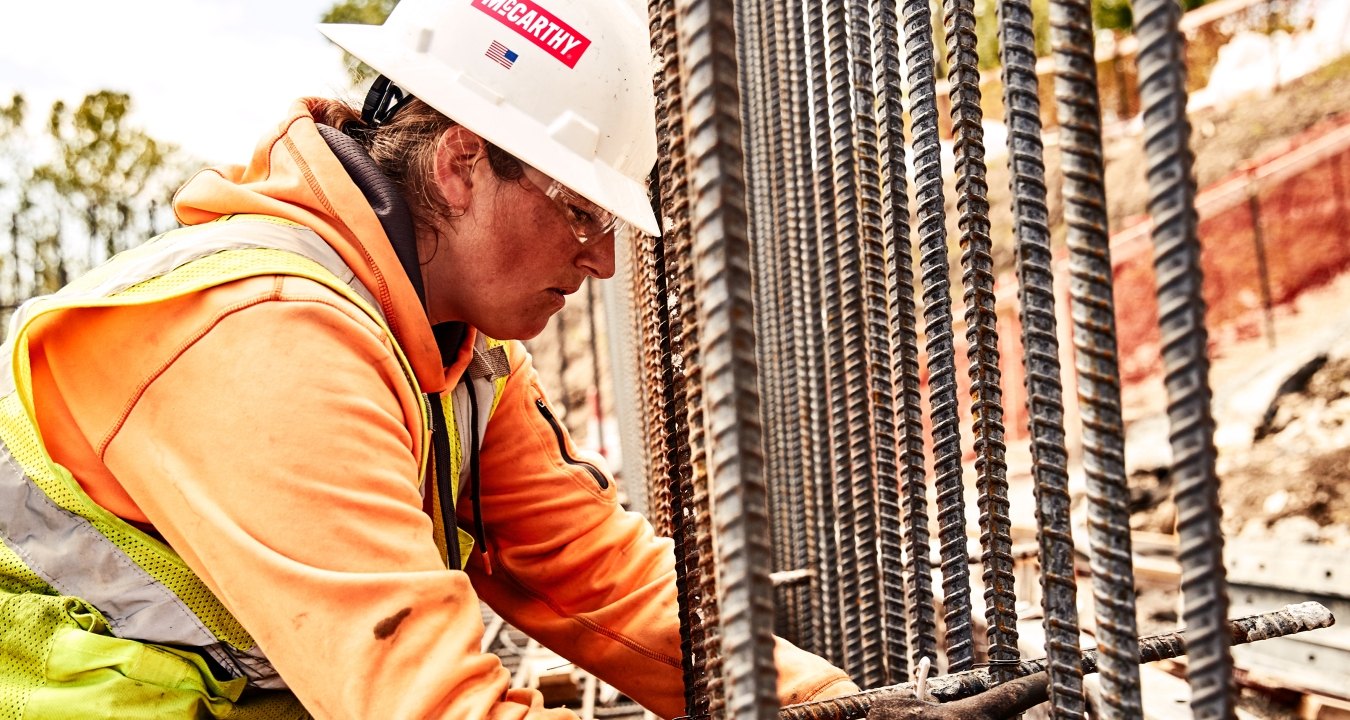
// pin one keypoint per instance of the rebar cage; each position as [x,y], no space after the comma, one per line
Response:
[794,430]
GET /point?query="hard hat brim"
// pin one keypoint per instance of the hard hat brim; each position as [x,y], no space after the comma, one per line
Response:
[482,110]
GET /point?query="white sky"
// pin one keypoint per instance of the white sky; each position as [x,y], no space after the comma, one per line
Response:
[212,76]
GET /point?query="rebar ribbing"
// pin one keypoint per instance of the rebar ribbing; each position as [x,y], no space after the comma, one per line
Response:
[858,228]
[833,543]
[762,234]
[673,184]
[1289,620]
[1040,358]
[789,40]
[849,360]
[937,312]
[778,81]
[977,277]
[904,369]
[725,313]
[1095,353]
[1181,313]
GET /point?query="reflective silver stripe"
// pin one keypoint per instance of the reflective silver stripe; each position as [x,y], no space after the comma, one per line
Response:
[65,549]
[74,558]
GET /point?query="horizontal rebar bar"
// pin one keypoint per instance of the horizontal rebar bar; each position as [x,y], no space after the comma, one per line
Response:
[946,688]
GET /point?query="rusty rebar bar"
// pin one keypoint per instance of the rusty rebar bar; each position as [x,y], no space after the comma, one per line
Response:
[937,312]
[725,312]
[669,338]
[904,361]
[789,40]
[1289,620]
[1040,358]
[1181,313]
[977,277]
[833,548]
[1095,353]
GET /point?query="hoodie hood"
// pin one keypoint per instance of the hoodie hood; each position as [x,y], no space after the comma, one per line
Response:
[294,175]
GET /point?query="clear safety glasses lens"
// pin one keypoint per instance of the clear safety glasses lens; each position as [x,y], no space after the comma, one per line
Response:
[587,220]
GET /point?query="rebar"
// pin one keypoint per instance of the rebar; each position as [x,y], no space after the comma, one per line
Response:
[763,192]
[725,312]
[938,331]
[674,410]
[790,37]
[1094,337]
[1181,314]
[1289,620]
[977,277]
[904,367]
[1040,359]
[833,549]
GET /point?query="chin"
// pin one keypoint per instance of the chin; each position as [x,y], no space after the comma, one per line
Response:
[521,329]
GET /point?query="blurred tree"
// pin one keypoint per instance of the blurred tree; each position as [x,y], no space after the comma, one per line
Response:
[107,173]
[89,186]
[363,12]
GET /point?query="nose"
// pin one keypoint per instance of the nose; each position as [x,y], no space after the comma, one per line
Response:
[597,257]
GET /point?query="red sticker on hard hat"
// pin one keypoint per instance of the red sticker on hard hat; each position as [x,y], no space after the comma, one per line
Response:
[539,26]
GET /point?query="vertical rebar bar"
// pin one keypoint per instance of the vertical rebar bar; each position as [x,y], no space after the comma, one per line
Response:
[790,35]
[1181,311]
[692,547]
[834,546]
[904,367]
[1040,358]
[937,301]
[725,315]
[860,605]
[789,39]
[977,277]
[1095,355]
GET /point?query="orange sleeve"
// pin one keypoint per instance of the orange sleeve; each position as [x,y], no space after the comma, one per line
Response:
[575,571]
[268,443]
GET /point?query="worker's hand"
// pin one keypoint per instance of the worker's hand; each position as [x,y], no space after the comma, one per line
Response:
[1005,701]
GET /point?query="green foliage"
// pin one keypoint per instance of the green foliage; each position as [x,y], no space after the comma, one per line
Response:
[360,12]
[84,187]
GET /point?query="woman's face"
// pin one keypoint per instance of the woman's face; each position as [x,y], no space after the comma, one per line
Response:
[507,258]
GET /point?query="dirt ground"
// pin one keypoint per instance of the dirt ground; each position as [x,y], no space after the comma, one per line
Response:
[1283,418]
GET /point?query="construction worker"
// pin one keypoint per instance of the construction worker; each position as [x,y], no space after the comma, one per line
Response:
[266,465]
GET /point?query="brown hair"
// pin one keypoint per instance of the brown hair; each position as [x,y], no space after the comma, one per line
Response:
[404,148]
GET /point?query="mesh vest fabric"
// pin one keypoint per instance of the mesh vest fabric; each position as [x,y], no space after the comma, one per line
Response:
[65,654]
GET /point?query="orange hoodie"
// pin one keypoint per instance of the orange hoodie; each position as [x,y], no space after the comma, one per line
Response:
[264,428]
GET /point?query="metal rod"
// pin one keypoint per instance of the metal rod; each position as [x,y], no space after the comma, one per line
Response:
[1290,620]
[1181,311]
[1095,354]
[833,550]
[938,331]
[904,360]
[977,277]
[789,53]
[1040,359]
[725,313]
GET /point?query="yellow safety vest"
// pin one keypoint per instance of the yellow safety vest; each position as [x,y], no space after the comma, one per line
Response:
[93,612]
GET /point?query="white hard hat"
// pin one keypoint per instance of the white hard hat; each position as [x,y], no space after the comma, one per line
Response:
[563,85]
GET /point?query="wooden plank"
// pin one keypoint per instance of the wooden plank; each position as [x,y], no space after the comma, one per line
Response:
[1293,567]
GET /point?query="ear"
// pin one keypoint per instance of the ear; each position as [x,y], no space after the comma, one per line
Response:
[456,153]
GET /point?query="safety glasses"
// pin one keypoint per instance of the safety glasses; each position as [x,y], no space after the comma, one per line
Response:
[588,221]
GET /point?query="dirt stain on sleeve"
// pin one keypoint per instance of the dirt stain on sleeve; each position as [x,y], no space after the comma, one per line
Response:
[389,625]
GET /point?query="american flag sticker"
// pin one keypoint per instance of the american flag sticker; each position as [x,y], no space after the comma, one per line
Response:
[501,54]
